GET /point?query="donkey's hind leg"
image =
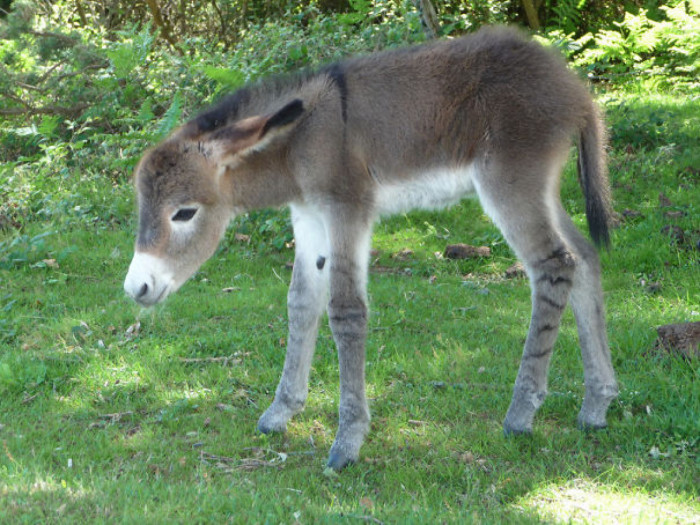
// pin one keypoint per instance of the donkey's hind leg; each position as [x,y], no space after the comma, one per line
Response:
[587,302]
[524,209]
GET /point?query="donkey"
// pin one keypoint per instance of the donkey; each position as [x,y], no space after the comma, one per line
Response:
[492,114]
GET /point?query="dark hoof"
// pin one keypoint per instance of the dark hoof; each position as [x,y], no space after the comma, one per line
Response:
[510,432]
[267,430]
[338,461]
[588,427]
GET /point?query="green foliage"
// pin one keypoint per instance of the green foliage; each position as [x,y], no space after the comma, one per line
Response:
[132,50]
[171,118]
[566,15]
[22,250]
[459,17]
[267,229]
[20,375]
[668,48]
[361,9]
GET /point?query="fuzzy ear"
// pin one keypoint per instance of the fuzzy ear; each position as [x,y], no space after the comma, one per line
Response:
[254,132]
[284,116]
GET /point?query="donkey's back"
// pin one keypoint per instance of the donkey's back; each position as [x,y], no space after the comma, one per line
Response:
[493,94]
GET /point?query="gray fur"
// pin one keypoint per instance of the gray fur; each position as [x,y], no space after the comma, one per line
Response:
[491,114]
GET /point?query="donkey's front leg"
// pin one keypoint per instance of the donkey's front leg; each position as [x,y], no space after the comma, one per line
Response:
[306,301]
[347,312]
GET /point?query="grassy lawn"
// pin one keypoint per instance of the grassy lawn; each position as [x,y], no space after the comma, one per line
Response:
[110,413]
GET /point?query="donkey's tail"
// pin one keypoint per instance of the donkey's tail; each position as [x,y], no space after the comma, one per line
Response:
[593,176]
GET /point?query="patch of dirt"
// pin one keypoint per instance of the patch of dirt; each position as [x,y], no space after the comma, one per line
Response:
[680,338]
[466,251]
[516,270]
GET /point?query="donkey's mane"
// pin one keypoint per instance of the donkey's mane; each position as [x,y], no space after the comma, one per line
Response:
[251,99]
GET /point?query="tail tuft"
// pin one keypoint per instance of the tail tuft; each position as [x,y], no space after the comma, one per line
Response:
[593,176]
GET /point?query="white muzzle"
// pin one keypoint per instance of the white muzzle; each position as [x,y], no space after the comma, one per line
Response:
[149,280]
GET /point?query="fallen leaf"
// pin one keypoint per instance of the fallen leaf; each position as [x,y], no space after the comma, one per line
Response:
[674,214]
[366,503]
[133,330]
[627,213]
[51,263]
[466,457]
[402,255]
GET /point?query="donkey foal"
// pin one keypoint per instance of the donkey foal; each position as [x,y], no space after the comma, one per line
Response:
[492,114]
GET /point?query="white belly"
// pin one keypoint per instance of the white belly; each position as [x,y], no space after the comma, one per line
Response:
[427,190]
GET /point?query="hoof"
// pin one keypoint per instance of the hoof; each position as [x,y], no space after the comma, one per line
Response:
[509,431]
[264,427]
[590,427]
[264,430]
[515,430]
[338,461]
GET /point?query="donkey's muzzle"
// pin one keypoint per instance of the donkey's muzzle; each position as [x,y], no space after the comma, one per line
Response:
[148,280]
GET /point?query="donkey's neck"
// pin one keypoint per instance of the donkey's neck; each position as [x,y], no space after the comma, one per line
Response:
[262,185]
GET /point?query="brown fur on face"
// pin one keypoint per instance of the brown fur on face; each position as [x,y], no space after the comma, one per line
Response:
[170,176]
[196,172]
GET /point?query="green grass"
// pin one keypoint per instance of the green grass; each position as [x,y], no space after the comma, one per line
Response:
[101,421]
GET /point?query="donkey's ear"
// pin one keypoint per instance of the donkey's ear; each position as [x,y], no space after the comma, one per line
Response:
[285,116]
[254,133]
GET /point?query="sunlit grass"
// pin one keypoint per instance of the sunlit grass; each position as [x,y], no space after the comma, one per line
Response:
[585,501]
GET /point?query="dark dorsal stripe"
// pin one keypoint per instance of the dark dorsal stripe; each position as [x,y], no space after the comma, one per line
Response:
[337,75]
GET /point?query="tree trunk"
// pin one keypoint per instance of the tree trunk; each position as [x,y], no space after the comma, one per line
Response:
[531,13]
[162,24]
[429,19]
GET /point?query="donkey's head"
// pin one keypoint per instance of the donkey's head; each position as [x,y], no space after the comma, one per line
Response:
[185,189]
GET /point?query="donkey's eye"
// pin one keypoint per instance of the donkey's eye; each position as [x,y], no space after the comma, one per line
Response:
[184,214]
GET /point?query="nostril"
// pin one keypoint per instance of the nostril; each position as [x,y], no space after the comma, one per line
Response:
[143,291]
